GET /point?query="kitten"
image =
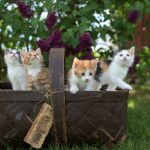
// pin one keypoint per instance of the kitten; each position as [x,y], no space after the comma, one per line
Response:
[80,74]
[114,73]
[37,74]
[15,70]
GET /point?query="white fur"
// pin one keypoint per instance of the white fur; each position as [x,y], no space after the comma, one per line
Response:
[16,72]
[34,70]
[78,83]
[116,72]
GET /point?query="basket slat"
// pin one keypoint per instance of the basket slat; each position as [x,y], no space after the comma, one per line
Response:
[56,67]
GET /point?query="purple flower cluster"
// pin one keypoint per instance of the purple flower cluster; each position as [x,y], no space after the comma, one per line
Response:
[84,46]
[25,10]
[43,45]
[68,50]
[133,16]
[53,41]
[55,38]
[87,56]
[86,39]
[51,20]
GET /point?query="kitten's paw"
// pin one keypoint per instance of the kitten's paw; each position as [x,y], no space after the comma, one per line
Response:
[74,90]
[128,87]
[111,90]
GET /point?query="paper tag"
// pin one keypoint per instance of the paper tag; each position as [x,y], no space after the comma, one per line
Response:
[40,127]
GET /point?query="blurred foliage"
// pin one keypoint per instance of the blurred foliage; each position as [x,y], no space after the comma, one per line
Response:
[74,17]
[143,68]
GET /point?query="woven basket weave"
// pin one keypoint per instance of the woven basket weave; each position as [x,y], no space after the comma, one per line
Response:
[89,117]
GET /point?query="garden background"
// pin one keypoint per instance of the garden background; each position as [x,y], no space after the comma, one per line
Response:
[77,26]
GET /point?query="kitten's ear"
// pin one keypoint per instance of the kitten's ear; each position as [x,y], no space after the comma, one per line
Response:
[6,51]
[38,50]
[94,62]
[132,50]
[76,62]
[22,53]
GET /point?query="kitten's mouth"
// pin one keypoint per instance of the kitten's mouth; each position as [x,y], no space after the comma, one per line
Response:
[125,60]
[13,56]
[87,80]
[34,58]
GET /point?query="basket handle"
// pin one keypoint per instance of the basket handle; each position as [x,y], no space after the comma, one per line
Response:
[56,71]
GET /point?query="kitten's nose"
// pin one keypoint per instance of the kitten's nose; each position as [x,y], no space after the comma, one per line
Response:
[124,58]
[86,80]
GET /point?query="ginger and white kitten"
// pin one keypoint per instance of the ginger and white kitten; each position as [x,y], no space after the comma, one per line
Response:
[37,74]
[114,73]
[15,70]
[80,74]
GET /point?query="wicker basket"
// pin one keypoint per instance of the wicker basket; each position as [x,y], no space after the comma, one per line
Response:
[89,117]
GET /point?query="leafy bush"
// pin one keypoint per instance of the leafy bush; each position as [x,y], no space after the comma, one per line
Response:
[74,25]
[143,68]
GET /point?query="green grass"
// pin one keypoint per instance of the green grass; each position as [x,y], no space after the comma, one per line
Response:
[138,122]
[138,136]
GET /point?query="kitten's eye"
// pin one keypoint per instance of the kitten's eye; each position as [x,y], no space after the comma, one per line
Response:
[128,55]
[83,74]
[121,55]
[17,52]
[90,74]
[10,52]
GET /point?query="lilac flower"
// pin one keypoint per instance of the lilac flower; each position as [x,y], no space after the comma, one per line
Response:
[55,38]
[51,20]
[25,10]
[43,45]
[59,46]
[133,16]
[86,39]
[87,56]
[89,49]
[79,48]
[68,50]
[82,48]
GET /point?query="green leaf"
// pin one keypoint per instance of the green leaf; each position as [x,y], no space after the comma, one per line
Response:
[139,5]
[89,7]
[34,22]
[2,4]
[7,18]
[107,3]
[16,24]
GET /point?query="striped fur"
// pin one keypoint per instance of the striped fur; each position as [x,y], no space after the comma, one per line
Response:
[37,74]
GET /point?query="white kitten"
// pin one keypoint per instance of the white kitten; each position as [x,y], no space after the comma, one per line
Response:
[114,75]
[15,70]
[81,73]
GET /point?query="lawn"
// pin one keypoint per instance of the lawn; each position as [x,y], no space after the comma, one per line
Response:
[138,125]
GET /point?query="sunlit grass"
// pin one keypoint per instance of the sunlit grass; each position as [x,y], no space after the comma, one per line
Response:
[131,104]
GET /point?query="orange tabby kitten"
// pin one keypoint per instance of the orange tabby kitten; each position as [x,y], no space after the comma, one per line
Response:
[81,73]
[37,74]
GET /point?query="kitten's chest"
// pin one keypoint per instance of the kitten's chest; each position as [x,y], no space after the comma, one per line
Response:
[16,72]
[34,73]
[119,72]
[81,84]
